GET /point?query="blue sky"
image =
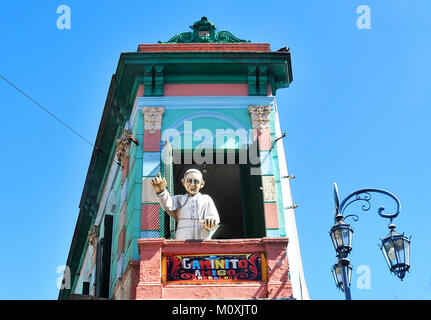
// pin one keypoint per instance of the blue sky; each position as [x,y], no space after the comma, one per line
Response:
[356,114]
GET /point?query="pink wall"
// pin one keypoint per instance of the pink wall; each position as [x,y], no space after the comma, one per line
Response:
[209,89]
[204,89]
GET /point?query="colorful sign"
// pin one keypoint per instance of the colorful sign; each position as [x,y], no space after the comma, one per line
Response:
[204,268]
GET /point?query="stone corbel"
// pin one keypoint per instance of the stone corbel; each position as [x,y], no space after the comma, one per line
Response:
[153,118]
[259,117]
[123,145]
[93,236]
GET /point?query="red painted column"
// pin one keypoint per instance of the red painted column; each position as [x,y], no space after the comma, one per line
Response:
[264,137]
[152,140]
[134,264]
[150,277]
[271,215]
[279,285]
[125,169]
[150,223]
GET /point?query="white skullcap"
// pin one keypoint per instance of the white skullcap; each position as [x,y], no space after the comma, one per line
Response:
[193,170]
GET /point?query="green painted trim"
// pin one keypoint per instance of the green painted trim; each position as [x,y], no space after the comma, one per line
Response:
[134,91]
[262,81]
[81,260]
[148,81]
[205,78]
[158,80]
[199,67]
[252,81]
[107,170]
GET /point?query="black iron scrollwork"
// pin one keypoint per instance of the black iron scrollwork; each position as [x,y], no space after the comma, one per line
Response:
[364,195]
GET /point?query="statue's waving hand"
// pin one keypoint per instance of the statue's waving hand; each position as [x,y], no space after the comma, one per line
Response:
[158,183]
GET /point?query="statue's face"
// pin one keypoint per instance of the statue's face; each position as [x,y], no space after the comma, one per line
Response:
[193,182]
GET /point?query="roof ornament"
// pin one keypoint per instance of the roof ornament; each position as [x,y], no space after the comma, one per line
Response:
[204,32]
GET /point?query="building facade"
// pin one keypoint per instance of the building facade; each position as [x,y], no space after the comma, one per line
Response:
[204,99]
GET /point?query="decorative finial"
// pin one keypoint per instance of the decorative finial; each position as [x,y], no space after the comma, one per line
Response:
[204,31]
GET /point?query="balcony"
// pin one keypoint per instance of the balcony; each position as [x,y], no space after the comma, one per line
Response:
[213,269]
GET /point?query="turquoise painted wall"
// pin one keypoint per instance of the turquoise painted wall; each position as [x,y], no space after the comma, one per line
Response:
[133,198]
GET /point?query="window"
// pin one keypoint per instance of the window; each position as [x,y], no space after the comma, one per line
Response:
[236,193]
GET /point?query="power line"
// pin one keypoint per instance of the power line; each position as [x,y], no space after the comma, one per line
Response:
[47,111]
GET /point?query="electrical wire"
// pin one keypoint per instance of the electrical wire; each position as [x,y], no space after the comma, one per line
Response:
[47,111]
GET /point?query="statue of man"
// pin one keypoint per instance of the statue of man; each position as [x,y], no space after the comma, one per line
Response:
[195,213]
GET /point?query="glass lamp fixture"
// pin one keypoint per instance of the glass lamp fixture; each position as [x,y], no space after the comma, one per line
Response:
[341,235]
[337,272]
[396,250]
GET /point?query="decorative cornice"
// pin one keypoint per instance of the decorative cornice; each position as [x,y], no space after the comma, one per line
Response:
[204,31]
[153,118]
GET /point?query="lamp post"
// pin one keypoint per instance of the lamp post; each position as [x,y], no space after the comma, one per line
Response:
[395,246]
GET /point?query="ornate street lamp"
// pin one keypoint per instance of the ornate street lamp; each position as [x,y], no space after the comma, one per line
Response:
[396,250]
[395,246]
[341,235]
[342,272]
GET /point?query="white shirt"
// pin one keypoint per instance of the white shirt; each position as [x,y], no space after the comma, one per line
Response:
[189,210]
